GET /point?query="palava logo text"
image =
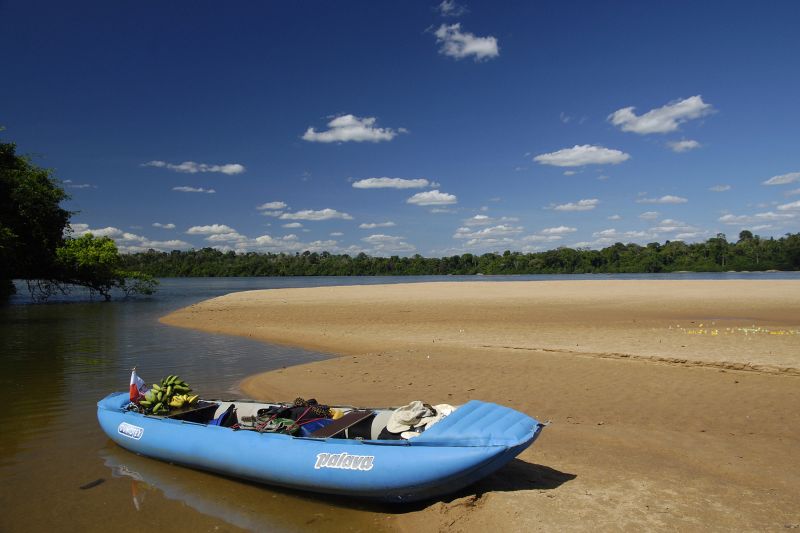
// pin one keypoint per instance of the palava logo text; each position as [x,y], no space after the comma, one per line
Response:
[344,461]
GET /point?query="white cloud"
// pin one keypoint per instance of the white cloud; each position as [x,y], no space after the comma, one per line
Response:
[580,155]
[570,172]
[373,225]
[485,220]
[719,188]
[649,215]
[210,229]
[230,237]
[580,205]
[387,244]
[145,244]
[792,192]
[615,217]
[72,185]
[606,233]
[690,235]
[220,236]
[109,231]
[163,226]
[272,206]
[190,167]
[186,188]
[76,227]
[671,229]
[683,146]
[128,242]
[502,235]
[293,225]
[433,197]
[449,8]
[558,230]
[345,128]
[768,216]
[783,179]
[790,206]
[234,241]
[669,225]
[458,44]
[391,183]
[612,234]
[322,214]
[542,238]
[287,243]
[547,235]
[502,230]
[666,199]
[337,234]
[663,119]
[479,220]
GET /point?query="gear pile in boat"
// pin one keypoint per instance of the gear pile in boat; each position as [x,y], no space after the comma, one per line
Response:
[305,415]
[309,418]
[303,418]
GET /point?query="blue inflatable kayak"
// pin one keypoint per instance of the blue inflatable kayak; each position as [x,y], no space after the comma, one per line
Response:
[473,441]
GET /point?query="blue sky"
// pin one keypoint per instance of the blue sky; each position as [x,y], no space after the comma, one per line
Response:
[409,127]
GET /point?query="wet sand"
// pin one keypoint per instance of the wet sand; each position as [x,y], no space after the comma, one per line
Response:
[674,404]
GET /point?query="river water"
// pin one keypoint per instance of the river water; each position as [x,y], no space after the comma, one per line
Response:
[58,359]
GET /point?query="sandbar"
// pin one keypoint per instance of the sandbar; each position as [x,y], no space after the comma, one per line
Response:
[674,404]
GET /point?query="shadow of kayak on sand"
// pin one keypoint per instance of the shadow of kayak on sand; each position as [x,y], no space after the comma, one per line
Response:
[521,475]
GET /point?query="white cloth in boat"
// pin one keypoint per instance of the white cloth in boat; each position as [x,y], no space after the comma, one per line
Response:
[417,415]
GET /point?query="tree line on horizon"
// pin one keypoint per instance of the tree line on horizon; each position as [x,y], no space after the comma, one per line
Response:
[717,254]
[36,246]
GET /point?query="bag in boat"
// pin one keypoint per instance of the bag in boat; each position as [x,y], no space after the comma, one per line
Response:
[310,427]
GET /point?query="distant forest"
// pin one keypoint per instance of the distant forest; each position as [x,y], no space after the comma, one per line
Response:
[717,254]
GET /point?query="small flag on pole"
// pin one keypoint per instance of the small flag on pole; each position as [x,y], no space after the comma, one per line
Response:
[137,386]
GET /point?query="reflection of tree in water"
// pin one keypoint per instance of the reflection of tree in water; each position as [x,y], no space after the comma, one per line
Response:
[50,357]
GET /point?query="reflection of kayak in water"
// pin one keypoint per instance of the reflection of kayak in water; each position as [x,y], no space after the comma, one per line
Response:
[147,475]
[358,460]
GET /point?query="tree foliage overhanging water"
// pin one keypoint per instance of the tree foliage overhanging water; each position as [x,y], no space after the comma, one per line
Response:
[717,254]
[36,242]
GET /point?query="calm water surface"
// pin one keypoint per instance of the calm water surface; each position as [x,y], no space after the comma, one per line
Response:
[58,359]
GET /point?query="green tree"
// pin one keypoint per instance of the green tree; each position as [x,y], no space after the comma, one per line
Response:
[32,220]
[95,263]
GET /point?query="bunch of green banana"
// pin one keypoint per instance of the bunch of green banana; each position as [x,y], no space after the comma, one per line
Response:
[171,392]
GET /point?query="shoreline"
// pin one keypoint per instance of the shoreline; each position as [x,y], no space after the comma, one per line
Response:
[709,437]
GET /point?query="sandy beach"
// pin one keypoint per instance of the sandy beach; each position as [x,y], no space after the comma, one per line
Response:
[674,404]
